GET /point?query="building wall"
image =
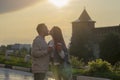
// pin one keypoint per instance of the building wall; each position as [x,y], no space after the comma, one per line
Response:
[84,27]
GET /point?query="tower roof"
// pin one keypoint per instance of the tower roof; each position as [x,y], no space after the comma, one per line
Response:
[84,16]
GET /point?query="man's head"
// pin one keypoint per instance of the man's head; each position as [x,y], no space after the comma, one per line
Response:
[42,29]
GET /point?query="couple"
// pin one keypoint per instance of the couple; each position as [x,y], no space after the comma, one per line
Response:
[55,52]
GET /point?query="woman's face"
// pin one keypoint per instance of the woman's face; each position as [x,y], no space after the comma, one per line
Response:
[51,32]
[55,32]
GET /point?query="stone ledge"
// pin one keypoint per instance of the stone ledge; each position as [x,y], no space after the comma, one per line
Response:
[21,68]
[90,78]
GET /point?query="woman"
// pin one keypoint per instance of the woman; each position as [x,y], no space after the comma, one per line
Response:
[59,55]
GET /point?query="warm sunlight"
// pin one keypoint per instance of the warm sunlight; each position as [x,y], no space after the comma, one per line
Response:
[59,3]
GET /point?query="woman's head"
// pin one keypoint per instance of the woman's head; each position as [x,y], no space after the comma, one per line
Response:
[56,34]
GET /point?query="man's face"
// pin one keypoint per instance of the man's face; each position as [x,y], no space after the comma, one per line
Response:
[45,31]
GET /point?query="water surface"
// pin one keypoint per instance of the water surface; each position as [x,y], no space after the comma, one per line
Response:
[9,74]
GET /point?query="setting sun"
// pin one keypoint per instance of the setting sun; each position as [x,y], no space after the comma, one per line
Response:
[59,3]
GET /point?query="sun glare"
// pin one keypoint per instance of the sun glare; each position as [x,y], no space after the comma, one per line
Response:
[59,3]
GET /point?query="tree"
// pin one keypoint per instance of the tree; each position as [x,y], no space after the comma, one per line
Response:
[110,48]
[80,48]
[23,52]
[9,47]
[3,49]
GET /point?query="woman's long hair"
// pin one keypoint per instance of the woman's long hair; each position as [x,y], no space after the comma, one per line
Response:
[57,36]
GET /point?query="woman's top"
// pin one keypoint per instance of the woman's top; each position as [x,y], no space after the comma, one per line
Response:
[57,57]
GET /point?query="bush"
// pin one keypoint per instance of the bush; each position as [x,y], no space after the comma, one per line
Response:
[117,67]
[2,59]
[15,61]
[99,66]
[76,71]
[76,62]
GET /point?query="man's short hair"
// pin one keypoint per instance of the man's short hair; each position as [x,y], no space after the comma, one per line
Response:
[40,27]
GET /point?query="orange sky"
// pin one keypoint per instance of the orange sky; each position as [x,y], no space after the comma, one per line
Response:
[18,25]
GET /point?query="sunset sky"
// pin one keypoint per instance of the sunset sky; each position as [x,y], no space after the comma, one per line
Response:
[19,18]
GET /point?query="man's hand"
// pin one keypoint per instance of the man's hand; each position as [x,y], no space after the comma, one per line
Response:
[50,49]
[59,47]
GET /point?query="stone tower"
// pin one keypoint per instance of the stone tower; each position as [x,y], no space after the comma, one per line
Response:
[83,26]
[82,37]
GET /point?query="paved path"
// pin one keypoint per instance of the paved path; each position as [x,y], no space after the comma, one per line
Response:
[9,74]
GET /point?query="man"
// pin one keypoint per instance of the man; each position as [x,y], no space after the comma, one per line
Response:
[40,56]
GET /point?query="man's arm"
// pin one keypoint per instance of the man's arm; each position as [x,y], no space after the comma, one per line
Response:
[36,49]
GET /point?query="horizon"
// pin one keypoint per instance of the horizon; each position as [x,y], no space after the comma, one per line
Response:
[18,20]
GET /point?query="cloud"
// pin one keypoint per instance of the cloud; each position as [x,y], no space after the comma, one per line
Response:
[13,5]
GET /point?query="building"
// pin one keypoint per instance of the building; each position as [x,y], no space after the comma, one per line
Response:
[84,27]
[21,46]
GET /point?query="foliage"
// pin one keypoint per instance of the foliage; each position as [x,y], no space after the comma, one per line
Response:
[110,48]
[15,61]
[3,49]
[9,47]
[76,62]
[81,48]
[99,66]
[2,59]
[117,67]
[76,71]
[23,52]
